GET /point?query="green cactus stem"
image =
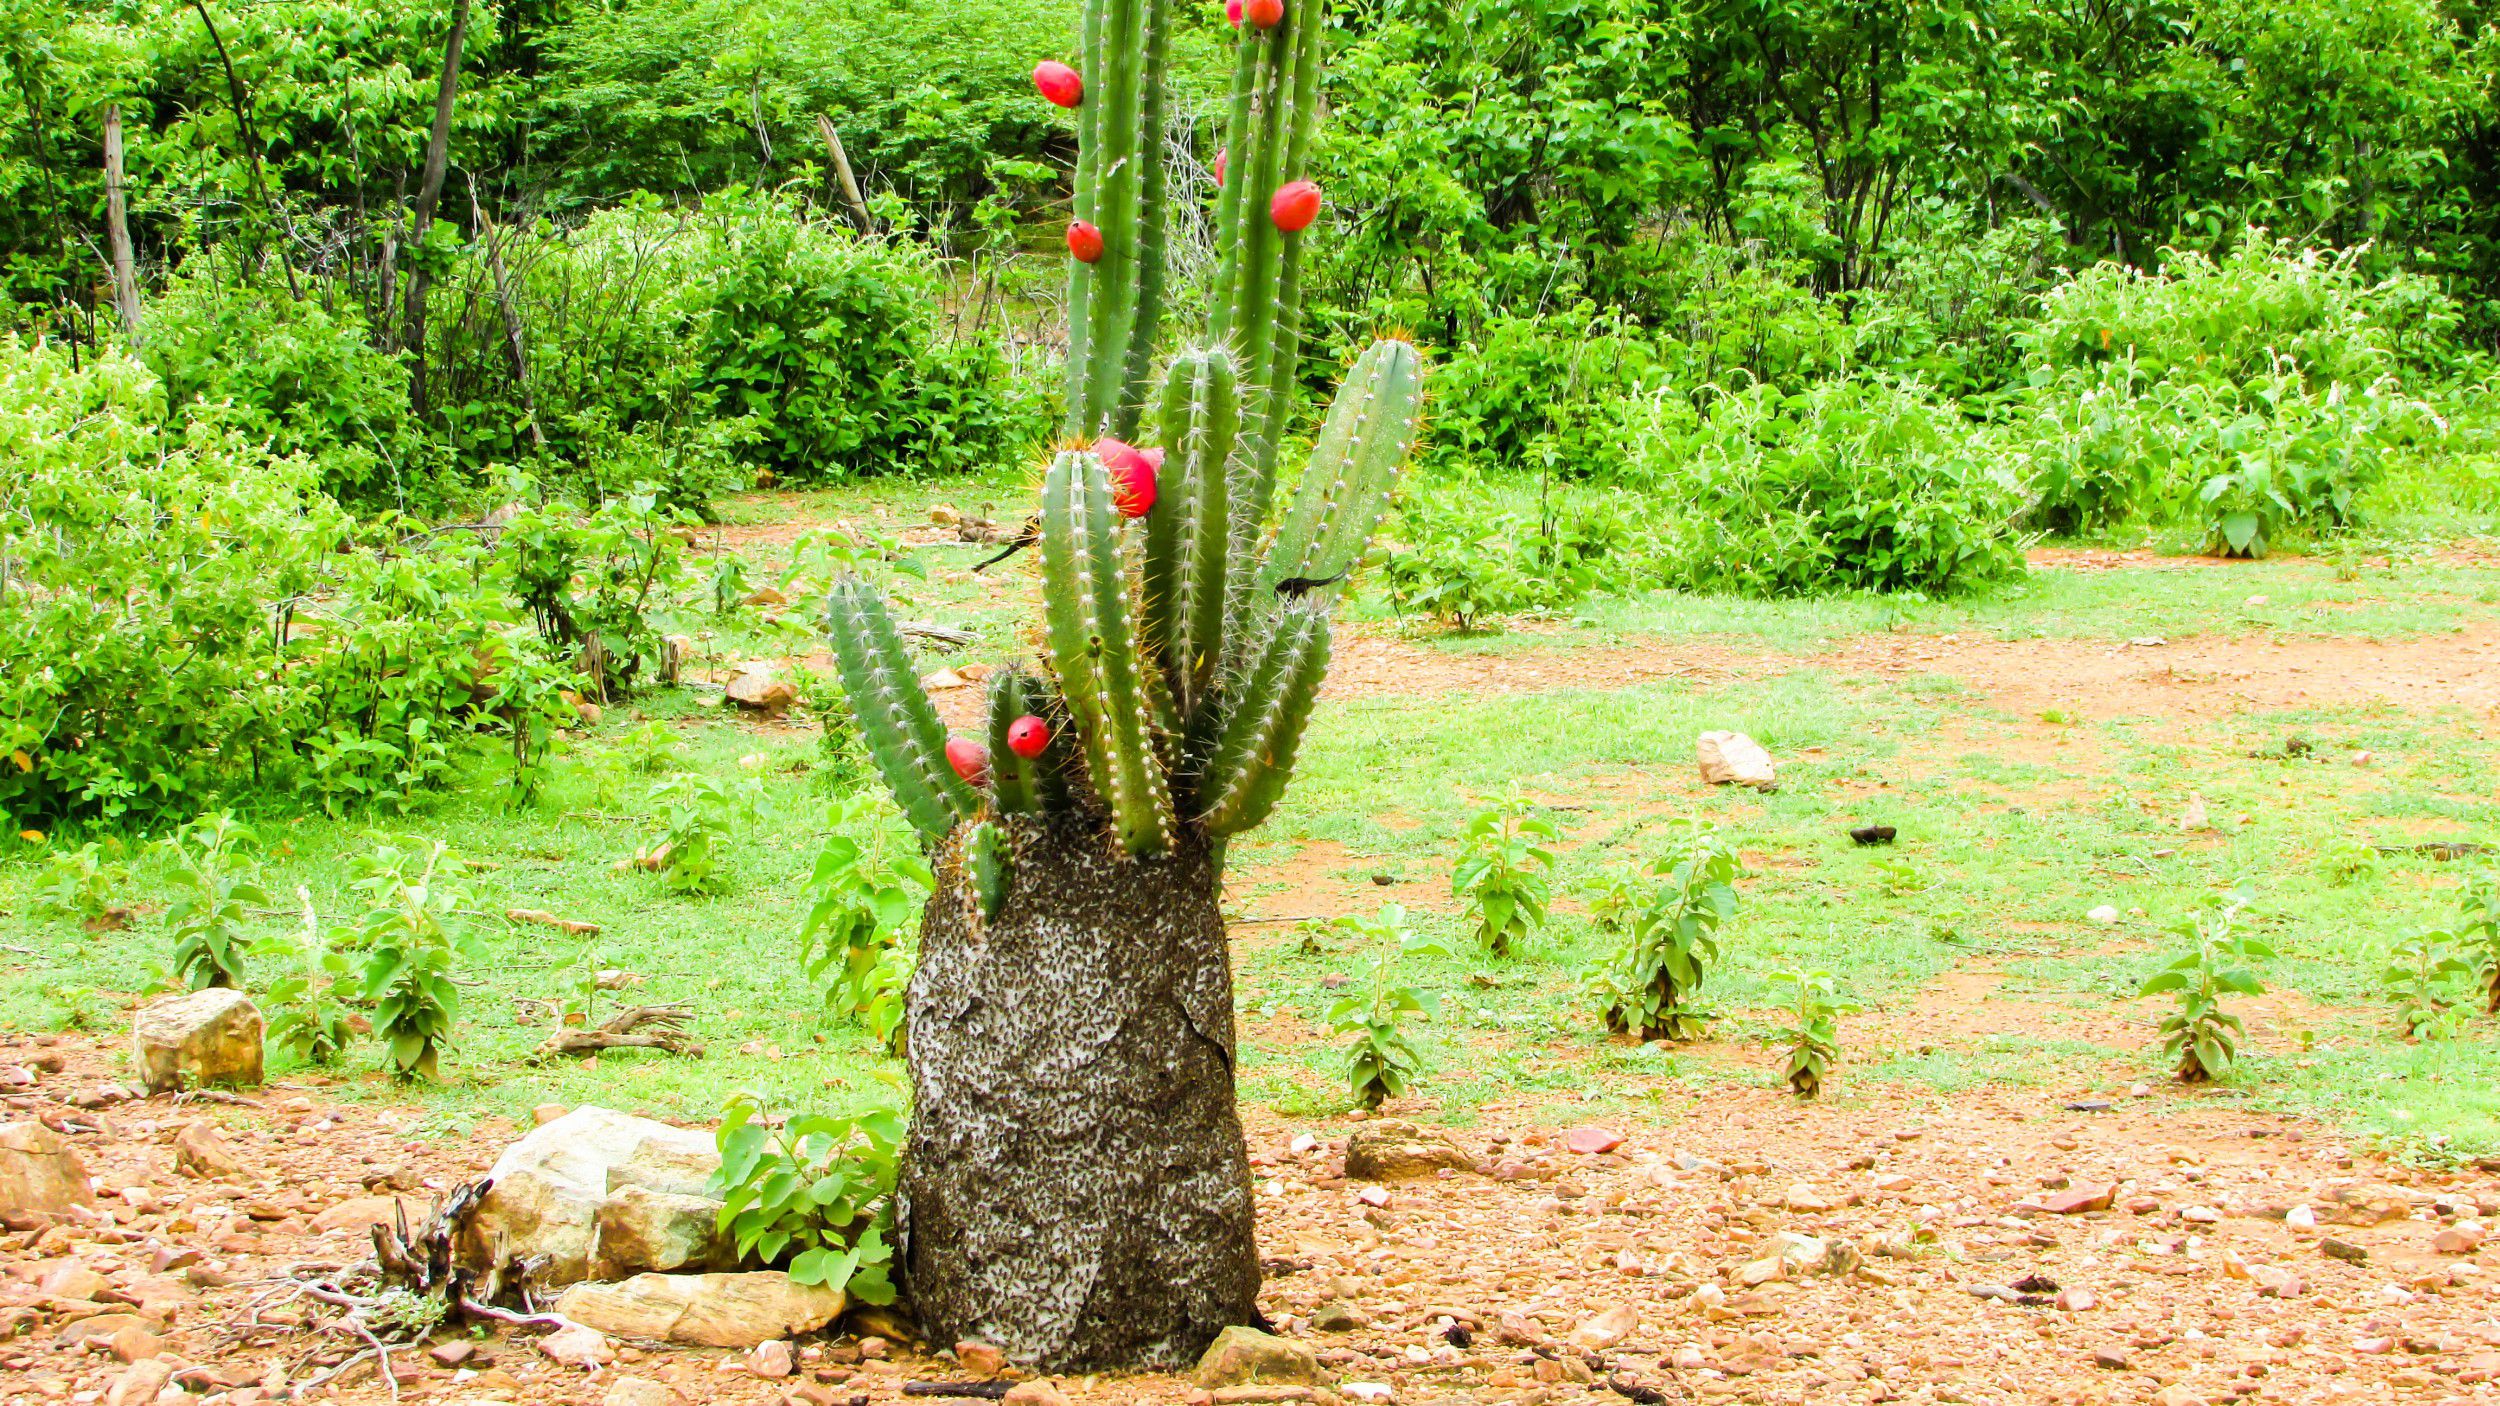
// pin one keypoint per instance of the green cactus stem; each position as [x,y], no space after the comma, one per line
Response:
[1115,303]
[1353,467]
[1265,714]
[1188,537]
[901,729]
[986,864]
[1015,782]
[1085,600]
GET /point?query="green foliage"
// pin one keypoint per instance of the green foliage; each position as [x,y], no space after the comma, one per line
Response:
[1381,1061]
[1648,985]
[78,885]
[811,1192]
[307,1003]
[2477,929]
[592,582]
[2416,976]
[1504,875]
[1813,1036]
[413,932]
[698,815]
[2200,1035]
[864,898]
[214,888]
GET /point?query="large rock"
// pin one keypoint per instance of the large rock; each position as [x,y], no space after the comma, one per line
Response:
[1395,1151]
[1243,1356]
[704,1310]
[39,1172]
[599,1194]
[197,1039]
[1732,757]
[758,687]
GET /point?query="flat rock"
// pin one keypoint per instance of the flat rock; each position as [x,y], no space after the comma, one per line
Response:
[1607,1328]
[200,1149]
[1241,1356]
[1393,1151]
[704,1310]
[1732,758]
[600,1195]
[39,1172]
[2075,1200]
[639,1391]
[198,1039]
[1591,1141]
[580,1346]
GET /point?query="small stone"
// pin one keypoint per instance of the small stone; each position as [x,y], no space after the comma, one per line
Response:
[2200,1215]
[2458,1240]
[1806,1200]
[452,1354]
[1732,757]
[1395,1151]
[1591,1141]
[2110,1359]
[1687,1358]
[1370,1391]
[578,1346]
[1373,1196]
[132,1343]
[1607,1328]
[2374,1347]
[638,1391]
[2077,1300]
[2274,1281]
[2103,914]
[759,688]
[1240,1356]
[2300,1220]
[771,1359]
[39,1171]
[2075,1200]
[2177,1394]
[1336,1316]
[2343,1250]
[140,1383]
[1037,1392]
[546,1113]
[980,1359]
[200,1149]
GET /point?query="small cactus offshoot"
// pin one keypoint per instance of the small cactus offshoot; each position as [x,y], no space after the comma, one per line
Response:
[1186,622]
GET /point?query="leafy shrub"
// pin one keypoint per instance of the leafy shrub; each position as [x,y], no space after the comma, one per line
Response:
[307,1003]
[413,933]
[78,886]
[214,888]
[1813,1037]
[1539,392]
[813,1193]
[2200,1035]
[2416,976]
[1648,984]
[592,581]
[1462,555]
[1503,875]
[2477,928]
[297,374]
[864,897]
[698,814]
[1380,1060]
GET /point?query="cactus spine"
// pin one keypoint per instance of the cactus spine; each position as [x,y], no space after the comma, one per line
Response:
[1094,652]
[1116,302]
[895,720]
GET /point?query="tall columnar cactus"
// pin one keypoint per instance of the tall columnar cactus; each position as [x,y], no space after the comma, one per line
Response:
[1185,650]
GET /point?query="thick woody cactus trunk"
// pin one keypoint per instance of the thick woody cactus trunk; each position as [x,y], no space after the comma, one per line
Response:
[1075,1188]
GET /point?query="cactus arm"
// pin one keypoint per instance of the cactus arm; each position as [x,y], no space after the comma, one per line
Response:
[1015,784]
[1085,591]
[1119,297]
[1262,730]
[1188,539]
[1088,180]
[902,731]
[1276,379]
[1146,316]
[1354,465]
[986,865]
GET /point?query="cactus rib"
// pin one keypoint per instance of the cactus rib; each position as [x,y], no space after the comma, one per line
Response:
[1354,465]
[1188,539]
[1266,712]
[1091,649]
[901,729]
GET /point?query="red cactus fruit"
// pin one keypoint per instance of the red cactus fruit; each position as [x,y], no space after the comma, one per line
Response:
[1059,83]
[1028,737]
[1295,206]
[970,759]
[1084,241]
[1266,14]
[1232,12]
[1133,472]
[1220,158]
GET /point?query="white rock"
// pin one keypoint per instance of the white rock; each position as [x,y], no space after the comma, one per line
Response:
[197,1039]
[601,1195]
[1732,757]
[704,1310]
[2103,914]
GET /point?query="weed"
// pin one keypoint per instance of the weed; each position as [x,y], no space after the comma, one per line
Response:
[1814,1039]
[1503,874]
[2478,928]
[652,749]
[413,932]
[214,889]
[2202,1036]
[307,1008]
[1648,983]
[863,896]
[699,813]
[2416,977]
[1381,1062]
[814,1188]
[78,886]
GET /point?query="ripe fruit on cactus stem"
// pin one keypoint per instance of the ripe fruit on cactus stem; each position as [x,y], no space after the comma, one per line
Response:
[1059,83]
[1028,737]
[1084,241]
[1295,206]
[1266,14]
[1133,474]
[1232,12]
[1220,158]
[970,759]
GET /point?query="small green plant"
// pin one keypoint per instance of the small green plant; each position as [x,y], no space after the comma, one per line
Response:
[1648,983]
[2478,931]
[2200,1035]
[2348,862]
[1814,1039]
[1898,878]
[413,932]
[1503,874]
[1613,901]
[1381,1062]
[307,1006]
[811,1192]
[78,886]
[652,749]
[698,815]
[863,897]
[2416,977]
[214,888]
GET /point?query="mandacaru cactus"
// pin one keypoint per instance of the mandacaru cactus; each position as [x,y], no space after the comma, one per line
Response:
[1183,648]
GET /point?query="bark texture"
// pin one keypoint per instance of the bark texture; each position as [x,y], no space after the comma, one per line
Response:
[1075,1189]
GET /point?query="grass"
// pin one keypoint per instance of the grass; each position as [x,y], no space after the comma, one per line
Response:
[2012,827]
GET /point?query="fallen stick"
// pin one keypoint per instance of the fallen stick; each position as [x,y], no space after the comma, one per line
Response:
[625,1031]
[546,919]
[990,1390]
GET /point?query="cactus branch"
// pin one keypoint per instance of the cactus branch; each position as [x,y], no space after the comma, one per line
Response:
[1263,722]
[1015,783]
[1353,467]
[1188,540]
[901,730]
[1085,592]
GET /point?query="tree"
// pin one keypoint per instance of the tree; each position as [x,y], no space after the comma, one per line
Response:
[1075,1188]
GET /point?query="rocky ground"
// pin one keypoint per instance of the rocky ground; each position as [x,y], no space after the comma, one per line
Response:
[2001,1247]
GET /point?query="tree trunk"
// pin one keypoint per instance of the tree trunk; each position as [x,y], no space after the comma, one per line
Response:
[117,224]
[430,190]
[842,168]
[1075,1189]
